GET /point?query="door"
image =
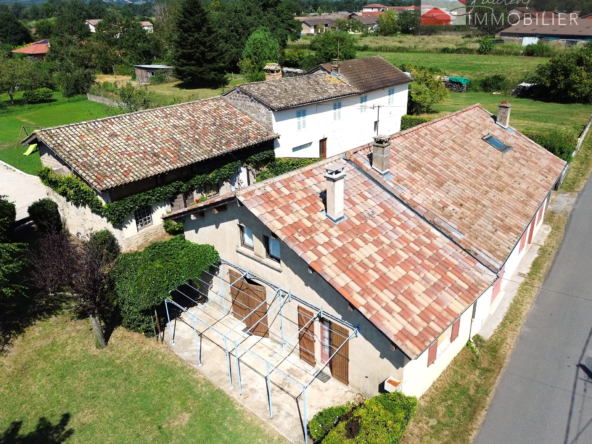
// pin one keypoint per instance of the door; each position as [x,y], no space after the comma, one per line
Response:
[306,336]
[340,362]
[238,294]
[323,148]
[246,296]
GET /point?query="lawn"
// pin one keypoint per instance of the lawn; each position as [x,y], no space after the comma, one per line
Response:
[57,113]
[133,391]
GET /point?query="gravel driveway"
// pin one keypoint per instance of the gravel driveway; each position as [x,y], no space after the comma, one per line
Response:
[21,188]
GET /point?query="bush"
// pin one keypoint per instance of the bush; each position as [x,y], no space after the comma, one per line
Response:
[143,279]
[539,49]
[104,243]
[325,420]
[293,59]
[124,70]
[172,227]
[411,121]
[7,218]
[160,77]
[45,215]
[494,83]
[38,95]
[485,45]
[558,142]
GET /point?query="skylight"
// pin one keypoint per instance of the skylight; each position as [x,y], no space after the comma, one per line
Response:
[497,144]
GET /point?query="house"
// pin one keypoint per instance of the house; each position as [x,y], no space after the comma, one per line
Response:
[435,16]
[314,25]
[549,27]
[520,12]
[334,108]
[374,7]
[92,24]
[125,155]
[35,51]
[148,27]
[145,72]
[409,240]
[370,21]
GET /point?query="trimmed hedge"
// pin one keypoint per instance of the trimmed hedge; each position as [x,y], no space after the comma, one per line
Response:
[560,143]
[7,219]
[411,121]
[38,95]
[143,279]
[324,421]
[45,215]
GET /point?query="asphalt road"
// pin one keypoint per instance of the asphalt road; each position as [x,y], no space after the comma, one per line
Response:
[545,393]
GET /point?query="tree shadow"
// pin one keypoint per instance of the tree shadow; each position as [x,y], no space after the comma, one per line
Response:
[45,432]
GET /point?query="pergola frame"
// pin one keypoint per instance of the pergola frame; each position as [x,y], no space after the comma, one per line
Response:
[279,298]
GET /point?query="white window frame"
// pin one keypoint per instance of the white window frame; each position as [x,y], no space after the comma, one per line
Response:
[391,96]
[143,216]
[301,119]
[363,101]
[336,110]
[270,240]
[247,234]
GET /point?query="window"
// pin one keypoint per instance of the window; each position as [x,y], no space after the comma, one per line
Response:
[143,217]
[391,96]
[363,101]
[497,144]
[246,237]
[336,110]
[272,247]
[301,119]
[301,147]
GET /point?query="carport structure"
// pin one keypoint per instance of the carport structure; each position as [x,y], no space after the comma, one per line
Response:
[255,327]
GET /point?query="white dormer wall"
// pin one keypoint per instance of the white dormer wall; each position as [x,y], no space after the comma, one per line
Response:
[353,128]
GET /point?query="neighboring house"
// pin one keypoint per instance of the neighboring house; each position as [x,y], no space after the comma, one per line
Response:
[374,7]
[521,12]
[435,16]
[92,24]
[36,51]
[124,155]
[145,72]
[370,21]
[332,109]
[315,25]
[410,239]
[148,27]
[549,27]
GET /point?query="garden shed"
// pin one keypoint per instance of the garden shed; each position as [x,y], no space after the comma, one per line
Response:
[145,72]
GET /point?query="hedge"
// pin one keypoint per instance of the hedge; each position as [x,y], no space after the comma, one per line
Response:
[558,142]
[411,121]
[7,219]
[38,95]
[45,215]
[142,280]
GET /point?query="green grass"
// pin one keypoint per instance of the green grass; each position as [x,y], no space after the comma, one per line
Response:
[133,391]
[57,113]
[465,65]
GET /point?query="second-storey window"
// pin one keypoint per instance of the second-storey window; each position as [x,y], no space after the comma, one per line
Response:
[301,119]
[272,245]
[246,237]
[363,101]
[336,110]
[391,96]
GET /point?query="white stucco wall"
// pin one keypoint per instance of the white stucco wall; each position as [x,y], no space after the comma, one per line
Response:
[354,128]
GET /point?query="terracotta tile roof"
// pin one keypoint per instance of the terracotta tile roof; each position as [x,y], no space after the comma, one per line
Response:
[40,47]
[118,150]
[93,22]
[370,73]
[480,197]
[289,92]
[408,279]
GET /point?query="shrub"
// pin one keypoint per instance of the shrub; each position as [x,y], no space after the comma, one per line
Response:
[38,95]
[7,218]
[485,45]
[558,142]
[160,77]
[495,82]
[411,121]
[325,420]
[539,49]
[143,279]
[105,243]
[45,215]
[293,59]
[124,70]
[172,227]
[426,91]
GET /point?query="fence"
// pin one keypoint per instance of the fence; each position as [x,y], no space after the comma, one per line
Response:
[103,100]
[583,136]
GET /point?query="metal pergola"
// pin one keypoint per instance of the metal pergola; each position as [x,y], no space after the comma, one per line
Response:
[233,337]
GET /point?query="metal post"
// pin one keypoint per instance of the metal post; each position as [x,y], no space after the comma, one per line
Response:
[269,392]
[166,306]
[282,321]
[238,375]
[196,343]
[228,361]
[304,419]
[223,290]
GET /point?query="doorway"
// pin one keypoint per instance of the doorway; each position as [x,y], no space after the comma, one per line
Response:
[246,296]
[323,148]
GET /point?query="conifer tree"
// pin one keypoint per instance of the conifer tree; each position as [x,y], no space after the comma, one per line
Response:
[197,55]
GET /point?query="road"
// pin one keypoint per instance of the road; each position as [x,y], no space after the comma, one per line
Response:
[21,188]
[545,393]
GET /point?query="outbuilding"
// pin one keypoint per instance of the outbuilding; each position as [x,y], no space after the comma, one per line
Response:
[145,72]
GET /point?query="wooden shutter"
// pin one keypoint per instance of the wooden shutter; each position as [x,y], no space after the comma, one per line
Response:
[540,215]
[455,330]
[530,233]
[238,290]
[306,336]
[432,353]
[498,285]
[258,295]
[523,240]
[340,361]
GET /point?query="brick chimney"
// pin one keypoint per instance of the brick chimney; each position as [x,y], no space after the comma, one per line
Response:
[503,114]
[273,71]
[335,175]
[381,153]
[335,66]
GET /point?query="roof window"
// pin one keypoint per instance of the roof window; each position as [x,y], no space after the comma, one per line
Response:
[497,144]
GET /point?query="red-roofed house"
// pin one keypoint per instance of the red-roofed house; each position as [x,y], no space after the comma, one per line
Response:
[37,50]
[435,16]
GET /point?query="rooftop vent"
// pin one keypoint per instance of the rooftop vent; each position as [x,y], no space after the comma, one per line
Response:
[381,153]
[335,66]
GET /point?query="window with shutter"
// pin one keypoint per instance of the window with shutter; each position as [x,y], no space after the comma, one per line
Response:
[301,119]
[391,96]
[455,330]
[336,110]
[363,101]
[432,353]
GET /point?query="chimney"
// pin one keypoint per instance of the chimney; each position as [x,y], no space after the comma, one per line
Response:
[273,71]
[503,114]
[381,153]
[335,66]
[335,175]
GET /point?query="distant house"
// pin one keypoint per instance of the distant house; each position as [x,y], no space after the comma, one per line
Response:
[145,72]
[314,25]
[370,21]
[549,27]
[148,27]
[374,7]
[92,24]
[36,51]
[435,16]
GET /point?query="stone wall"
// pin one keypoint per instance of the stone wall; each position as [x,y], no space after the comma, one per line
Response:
[103,100]
[250,107]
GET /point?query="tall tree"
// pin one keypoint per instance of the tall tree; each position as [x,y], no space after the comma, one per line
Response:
[12,31]
[261,48]
[13,74]
[198,58]
[388,23]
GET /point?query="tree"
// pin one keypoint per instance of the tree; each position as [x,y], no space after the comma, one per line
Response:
[351,25]
[261,48]
[426,90]
[388,23]
[334,45]
[12,31]
[44,28]
[73,65]
[12,255]
[407,22]
[12,75]
[198,58]
[133,99]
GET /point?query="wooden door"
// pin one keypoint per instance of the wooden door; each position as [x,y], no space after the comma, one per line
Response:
[323,148]
[306,336]
[238,294]
[257,297]
[340,361]
[531,231]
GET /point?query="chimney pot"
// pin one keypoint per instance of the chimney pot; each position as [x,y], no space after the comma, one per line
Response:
[335,66]
[381,153]
[503,114]
[335,175]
